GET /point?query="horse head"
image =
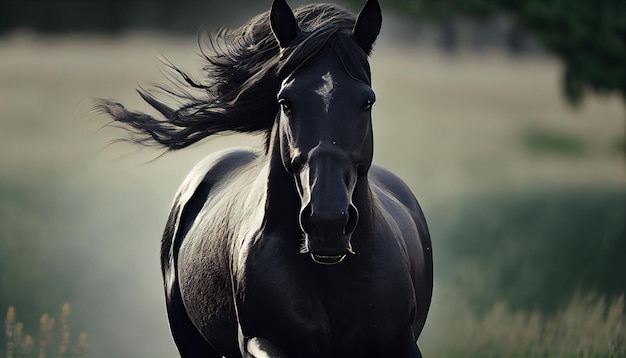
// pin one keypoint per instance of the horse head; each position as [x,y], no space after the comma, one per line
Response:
[325,128]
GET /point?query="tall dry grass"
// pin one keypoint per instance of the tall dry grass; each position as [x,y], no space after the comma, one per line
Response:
[588,326]
[48,344]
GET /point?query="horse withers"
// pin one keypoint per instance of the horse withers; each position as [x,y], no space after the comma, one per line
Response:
[302,248]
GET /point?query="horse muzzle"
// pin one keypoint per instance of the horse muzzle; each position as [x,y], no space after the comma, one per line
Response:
[328,233]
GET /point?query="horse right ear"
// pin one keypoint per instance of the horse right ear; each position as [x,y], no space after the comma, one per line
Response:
[283,23]
[368,24]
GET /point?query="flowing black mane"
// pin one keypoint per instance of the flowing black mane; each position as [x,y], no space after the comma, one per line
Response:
[243,70]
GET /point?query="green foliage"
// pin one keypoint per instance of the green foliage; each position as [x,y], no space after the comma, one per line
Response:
[588,36]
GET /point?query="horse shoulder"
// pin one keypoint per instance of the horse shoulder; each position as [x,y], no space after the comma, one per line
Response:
[391,185]
[191,197]
[396,188]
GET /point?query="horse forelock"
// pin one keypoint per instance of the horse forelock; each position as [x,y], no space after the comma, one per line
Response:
[324,27]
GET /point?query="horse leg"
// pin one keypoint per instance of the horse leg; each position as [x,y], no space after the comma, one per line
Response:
[255,347]
[189,341]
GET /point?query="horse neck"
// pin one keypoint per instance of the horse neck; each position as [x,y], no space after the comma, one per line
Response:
[282,206]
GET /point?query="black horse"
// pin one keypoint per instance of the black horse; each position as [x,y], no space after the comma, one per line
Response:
[305,248]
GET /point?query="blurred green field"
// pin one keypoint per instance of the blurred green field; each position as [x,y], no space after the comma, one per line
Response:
[525,197]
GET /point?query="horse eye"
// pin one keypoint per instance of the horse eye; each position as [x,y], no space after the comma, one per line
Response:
[284,105]
[367,106]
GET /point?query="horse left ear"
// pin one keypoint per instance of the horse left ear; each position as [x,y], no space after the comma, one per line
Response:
[283,23]
[368,25]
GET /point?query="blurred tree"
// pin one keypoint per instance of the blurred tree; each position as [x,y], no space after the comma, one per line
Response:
[588,36]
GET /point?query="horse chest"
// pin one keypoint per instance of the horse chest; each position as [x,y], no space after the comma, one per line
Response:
[327,311]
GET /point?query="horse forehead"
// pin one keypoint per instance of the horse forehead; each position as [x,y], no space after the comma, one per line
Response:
[324,74]
[321,80]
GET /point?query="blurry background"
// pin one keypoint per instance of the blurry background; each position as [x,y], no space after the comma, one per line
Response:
[506,119]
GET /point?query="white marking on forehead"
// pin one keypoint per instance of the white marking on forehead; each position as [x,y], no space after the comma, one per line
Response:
[326,90]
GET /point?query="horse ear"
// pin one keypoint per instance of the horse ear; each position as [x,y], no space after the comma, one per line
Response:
[283,23]
[368,25]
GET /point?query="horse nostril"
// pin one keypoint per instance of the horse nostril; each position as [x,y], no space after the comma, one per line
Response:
[305,219]
[343,222]
[353,219]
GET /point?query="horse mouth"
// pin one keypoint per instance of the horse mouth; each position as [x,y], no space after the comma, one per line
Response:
[327,259]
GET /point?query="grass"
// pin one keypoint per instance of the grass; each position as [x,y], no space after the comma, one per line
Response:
[589,326]
[533,250]
[514,274]
[53,340]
